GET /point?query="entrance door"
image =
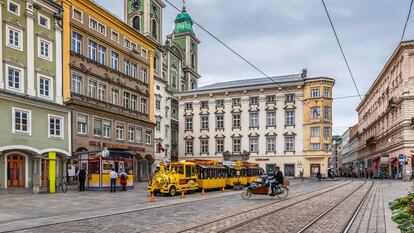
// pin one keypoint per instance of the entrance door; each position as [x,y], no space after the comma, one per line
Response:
[45,173]
[290,170]
[315,168]
[270,168]
[16,171]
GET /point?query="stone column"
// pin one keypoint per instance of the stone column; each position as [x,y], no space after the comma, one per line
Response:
[52,172]
[59,87]
[30,50]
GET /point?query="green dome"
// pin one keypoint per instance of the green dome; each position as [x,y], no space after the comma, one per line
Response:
[183,23]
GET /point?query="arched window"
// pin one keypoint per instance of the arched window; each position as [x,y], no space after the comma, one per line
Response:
[193,85]
[155,62]
[154,30]
[136,23]
[182,87]
[193,61]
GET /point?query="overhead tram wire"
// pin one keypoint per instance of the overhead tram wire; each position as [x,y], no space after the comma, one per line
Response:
[340,47]
[406,21]
[237,54]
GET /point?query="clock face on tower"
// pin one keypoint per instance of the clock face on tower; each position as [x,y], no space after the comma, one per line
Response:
[135,4]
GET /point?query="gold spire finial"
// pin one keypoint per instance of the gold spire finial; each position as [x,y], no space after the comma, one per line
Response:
[184,5]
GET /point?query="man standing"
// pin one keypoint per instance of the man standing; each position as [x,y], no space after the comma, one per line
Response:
[278,180]
[82,177]
[113,175]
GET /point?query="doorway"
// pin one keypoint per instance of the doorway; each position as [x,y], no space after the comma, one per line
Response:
[16,171]
[270,168]
[315,168]
[290,170]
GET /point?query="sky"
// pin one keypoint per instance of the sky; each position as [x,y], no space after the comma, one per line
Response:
[285,36]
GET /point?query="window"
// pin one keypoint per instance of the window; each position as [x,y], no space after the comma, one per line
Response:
[82,124]
[131,133]
[102,29]
[14,8]
[127,99]
[315,132]
[158,104]
[138,132]
[134,68]
[134,102]
[14,38]
[236,102]
[114,60]
[76,43]
[144,52]
[127,43]
[158,126]
[204,146]
[14,79]
[254,119]
[144,106]
[327,112]
[315,93]
[204,122]
[326,131]
[78,15]
[315,146]
[127,66]
[253,145]
[188,106]
[107,129]
[115,96]
[119,131]
[76,84]
[315,112]
[101,54]
[97,127]
[144,75]
[148,137]
[21,121]
[220,146]
[154,29]
[45,49]
[270,99]
[290,98]
[45,87]
[254,100]
[188,123]
[188,147]
[93,24]
[204,104]
[102,92]
[327,92]
[55,126]
[136,23]
[92,50]
[270,119]
[271,144]
[44,21]
[290,117]
[289,143]
[236,121]
[115,36]
[92,88]
[219,103]
[236,145]
[326,146]
[220,122]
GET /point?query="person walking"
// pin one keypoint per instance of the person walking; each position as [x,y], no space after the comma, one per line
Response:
[124,180]
[319,176]
[301,175]
[113,175]
[81,174]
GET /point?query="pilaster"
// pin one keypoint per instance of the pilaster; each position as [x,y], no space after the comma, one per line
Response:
[1,47]
[30,49]
[59,70]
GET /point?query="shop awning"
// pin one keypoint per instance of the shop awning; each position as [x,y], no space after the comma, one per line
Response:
[124,154]
[391,160]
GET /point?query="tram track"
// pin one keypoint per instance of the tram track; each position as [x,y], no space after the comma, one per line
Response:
[329,188]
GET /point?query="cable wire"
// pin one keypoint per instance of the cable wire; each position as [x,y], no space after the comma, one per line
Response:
[406,22]
[340,47]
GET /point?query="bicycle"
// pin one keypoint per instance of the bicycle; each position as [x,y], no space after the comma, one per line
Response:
[62,184]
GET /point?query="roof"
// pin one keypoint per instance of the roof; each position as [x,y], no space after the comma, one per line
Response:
[250,82]
[183,23]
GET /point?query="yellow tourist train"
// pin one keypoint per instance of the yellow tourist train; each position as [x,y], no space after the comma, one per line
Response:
[191,175]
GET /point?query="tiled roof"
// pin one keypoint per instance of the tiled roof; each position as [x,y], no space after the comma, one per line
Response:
[250,82]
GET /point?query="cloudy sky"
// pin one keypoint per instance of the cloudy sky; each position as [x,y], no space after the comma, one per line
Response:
[285,36]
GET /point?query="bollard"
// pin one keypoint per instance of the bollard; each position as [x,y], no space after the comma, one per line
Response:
[222,189]
[152,197]
[182,194]
[202,192]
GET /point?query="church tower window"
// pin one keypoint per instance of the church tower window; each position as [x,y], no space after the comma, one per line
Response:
[192,61]
[154,29]
[136,23]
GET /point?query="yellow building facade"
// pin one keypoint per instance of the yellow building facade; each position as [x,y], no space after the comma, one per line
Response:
[317,125]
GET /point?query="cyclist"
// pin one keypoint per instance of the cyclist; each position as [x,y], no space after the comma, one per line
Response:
[278,179]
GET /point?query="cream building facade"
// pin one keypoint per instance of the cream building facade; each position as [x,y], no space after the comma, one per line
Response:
[260,117]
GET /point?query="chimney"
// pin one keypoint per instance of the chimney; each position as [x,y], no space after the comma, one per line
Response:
[304,73]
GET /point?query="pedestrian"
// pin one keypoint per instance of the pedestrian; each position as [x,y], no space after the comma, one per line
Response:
[301,175]
[81,174]
[318,176]
[123,176]
[113,175]
[380,175]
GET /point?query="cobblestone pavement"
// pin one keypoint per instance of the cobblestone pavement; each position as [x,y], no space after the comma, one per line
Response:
[177,212]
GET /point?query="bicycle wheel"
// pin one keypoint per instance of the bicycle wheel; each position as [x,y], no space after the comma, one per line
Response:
[282,192]
[63,187]
[246,194]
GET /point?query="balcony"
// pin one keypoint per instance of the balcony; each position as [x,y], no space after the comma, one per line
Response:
[370,141]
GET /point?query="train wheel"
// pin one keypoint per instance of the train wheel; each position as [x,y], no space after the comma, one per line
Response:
[173,191]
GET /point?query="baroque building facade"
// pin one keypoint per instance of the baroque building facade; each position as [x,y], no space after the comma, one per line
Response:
[175,68]
[386,117]
[108,72]
[273,123]
[35,140]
